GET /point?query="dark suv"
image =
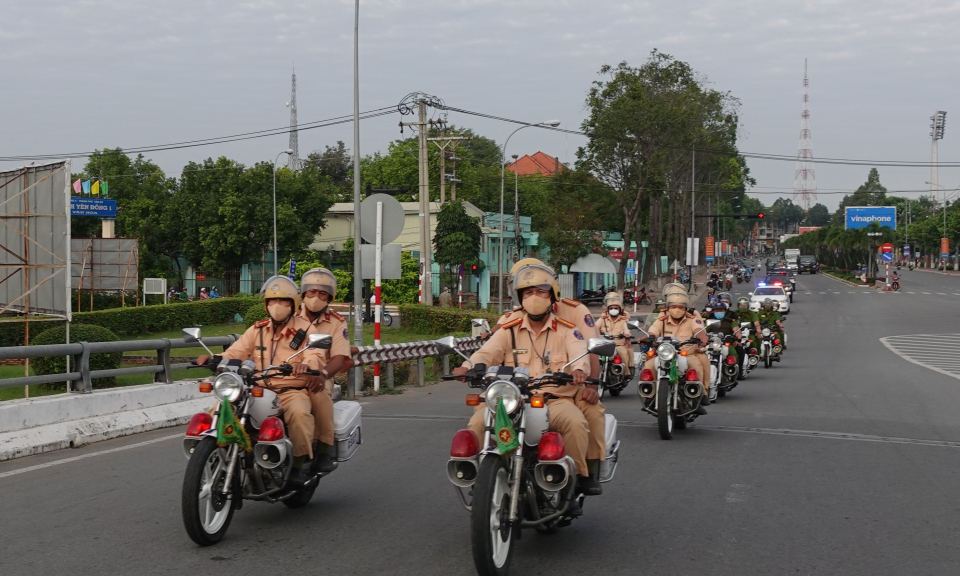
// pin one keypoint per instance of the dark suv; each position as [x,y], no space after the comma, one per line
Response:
[807,264]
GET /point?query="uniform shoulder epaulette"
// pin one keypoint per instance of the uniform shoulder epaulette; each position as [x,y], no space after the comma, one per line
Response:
[570,302]
[261,324]
[337,315]
[566,323]
[512,323]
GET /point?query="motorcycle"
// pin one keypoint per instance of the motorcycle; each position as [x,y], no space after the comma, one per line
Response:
[642,299]
[592,296]
[723,365]
[670,391]
[771,346]
[219,478]
[753,358]
[613,371]
[728,283]
[739,276]
[532,486]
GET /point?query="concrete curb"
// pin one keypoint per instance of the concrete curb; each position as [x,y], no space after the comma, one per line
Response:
[37,425]
[847,282]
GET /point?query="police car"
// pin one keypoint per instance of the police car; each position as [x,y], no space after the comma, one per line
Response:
[775,293]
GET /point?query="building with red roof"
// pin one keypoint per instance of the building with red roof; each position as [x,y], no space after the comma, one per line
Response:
[539,163]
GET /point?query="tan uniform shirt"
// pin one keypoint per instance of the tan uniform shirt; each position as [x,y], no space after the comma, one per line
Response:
[570,310]
[332,323]
[613,326]
[682,330]
[547,351]
[268,348]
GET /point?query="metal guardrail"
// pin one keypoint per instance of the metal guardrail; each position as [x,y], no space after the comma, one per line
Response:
[81,379]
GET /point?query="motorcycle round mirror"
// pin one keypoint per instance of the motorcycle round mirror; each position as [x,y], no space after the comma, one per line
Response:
[320,341]
[601,347]
[191,334]
[445,345]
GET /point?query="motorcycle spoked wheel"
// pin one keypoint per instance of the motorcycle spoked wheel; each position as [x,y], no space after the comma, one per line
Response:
[665,420]
[490,534]
[767,362]
[206,513]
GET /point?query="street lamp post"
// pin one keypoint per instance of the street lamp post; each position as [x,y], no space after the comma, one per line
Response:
[503,155]
[275,261]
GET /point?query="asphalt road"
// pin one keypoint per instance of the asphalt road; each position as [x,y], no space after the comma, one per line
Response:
[842,459]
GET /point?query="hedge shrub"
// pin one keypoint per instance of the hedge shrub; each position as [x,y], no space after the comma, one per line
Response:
[134,321]
[78,333]
[442,321]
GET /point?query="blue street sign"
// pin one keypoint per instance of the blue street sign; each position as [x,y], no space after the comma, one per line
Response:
[861,217]
[906,250]
[631,270]
[709,258]
[101,207]
[886,257]
[293,269]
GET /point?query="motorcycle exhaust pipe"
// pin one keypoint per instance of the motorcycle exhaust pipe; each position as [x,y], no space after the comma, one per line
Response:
[462,472]
[269,455]
[553,476]
[693,390]
[647,390]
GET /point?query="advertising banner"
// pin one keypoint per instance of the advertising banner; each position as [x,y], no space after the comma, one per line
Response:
[709,248]
[93,207]
[863,216]
[944,247]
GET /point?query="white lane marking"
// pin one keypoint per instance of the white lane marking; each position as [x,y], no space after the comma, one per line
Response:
[940,294]
[915,293]
[823,292]
[809,293]
[90,455]
[933,351]
[927,293]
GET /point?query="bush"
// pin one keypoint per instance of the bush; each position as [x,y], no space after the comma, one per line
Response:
[133,321]
[78,333]
[255,313]
[442,321]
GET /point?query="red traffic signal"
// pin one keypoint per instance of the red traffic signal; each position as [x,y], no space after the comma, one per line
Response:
[760,215]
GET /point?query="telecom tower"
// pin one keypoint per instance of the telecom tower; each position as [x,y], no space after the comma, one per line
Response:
[293,160]
[805,178]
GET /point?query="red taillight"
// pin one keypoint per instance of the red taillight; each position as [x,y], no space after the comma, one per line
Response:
[692,375]
[646,375]
[271,430]
[617,359]
[731,360]
[465,445]
[753,351]
[551,447]
[199,424]
[776,341]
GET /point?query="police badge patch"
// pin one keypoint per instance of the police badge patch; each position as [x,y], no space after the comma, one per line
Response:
[345,333]
[588,320]
[577,335]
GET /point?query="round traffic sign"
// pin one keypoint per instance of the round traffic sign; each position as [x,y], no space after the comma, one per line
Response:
[393,218]
[886,248]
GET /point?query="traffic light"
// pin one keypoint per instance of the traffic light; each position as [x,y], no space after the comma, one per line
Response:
[473,269]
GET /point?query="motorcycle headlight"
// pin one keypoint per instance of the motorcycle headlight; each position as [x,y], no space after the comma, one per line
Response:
[227,386]
[766,332]
[666,352]
[506,390]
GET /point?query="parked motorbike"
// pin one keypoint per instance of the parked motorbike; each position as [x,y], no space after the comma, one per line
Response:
[771,346]
[218,478]
[643,298]
[592,296]
[533,485]
[613,371]
[670,391]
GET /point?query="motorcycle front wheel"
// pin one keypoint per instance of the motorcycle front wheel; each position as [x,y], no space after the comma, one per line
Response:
[664,410]
[206,511]
[767,362]
[490,531]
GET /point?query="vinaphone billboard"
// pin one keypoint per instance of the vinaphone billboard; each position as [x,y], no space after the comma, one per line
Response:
[863,216]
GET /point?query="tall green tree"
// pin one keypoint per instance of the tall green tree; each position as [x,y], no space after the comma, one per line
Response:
[818,215]
[870,193]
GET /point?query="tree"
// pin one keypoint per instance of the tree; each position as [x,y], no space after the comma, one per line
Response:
[457,238]
[818,215]
[336,164]
[870,193]
[646,127]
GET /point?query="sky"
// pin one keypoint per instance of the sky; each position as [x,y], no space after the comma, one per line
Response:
[85,75]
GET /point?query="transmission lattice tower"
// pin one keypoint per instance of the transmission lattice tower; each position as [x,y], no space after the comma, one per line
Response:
[805,178]
[293,160]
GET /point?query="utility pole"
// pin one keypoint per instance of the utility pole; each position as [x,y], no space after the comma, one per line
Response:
[442,143]
[693,210]
[357,298]
[422,125]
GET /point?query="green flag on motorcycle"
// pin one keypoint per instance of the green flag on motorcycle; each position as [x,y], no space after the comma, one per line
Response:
[506,435]
[229,429]
[674,376]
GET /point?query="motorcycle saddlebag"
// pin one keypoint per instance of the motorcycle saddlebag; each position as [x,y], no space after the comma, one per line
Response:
[346,429]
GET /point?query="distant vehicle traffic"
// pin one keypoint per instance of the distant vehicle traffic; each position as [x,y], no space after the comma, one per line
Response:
[808,264]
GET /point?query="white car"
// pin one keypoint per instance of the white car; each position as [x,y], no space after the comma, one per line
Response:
[775,293]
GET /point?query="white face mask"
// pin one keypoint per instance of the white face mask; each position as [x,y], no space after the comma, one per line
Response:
[536,305]
[614,312]
[279,310]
